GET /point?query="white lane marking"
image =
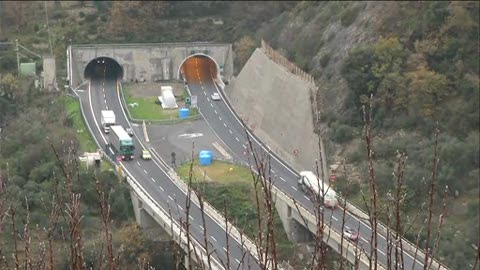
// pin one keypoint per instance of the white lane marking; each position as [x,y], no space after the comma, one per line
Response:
[105,101]
[191,218]
[294,188]
[230,131]
[272,171]
[205,93]
[104,96]
[211,236]
[364,239]
[225,249]
[153,179]
[237,261]
[145,171]
[282,179]
[201,227]
[379,250]
[208,99]
[215,111]
[237,139]
[161,188]
[180,207]
[107,107]
[225,124]
[138,163]
[170,197]
[219,118]
[334,218]
[211,105]
[244,146]
[308,199]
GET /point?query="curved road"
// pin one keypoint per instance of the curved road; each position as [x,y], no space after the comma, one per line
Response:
[228,128]
[152,176]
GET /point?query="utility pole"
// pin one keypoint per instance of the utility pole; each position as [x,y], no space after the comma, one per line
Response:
[18,57]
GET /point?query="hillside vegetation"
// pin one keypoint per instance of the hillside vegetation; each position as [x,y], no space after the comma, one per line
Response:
[420,63]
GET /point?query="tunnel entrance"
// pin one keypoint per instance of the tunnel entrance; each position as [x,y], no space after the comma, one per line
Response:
[103,68]
[199,67]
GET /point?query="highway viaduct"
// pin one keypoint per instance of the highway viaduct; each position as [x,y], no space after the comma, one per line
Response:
[159,62]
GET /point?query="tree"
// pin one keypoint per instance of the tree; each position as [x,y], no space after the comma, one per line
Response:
[392,94]
[244,49]
[427,89]
[9,86]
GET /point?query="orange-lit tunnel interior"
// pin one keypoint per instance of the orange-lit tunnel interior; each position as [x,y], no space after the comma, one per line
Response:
[198,68]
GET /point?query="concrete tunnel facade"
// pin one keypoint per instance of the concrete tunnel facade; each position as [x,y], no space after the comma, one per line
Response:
[147,62]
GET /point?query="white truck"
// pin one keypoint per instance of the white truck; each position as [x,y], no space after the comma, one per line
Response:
[310,183]
[108,119]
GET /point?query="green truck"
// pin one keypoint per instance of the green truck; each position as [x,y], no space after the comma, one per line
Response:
[121,143]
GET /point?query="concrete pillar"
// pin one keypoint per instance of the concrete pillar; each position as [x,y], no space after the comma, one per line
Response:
[295,230]
[142,217]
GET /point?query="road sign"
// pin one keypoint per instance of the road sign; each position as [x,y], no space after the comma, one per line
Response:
[194,101]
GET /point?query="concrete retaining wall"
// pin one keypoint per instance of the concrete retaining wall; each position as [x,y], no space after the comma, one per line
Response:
[276,106]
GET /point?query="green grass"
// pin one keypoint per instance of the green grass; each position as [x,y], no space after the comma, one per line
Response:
[87,144]
[147,109]
[219,172]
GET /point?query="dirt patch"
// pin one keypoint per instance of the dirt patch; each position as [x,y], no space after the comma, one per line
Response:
[153,89]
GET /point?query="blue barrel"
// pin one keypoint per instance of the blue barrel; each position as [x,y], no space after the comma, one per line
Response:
[206,158]
[183,113]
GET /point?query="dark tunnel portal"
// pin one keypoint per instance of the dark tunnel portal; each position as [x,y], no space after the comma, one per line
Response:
[103,68]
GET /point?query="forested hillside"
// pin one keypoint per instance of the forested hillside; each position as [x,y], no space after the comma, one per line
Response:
[418,61]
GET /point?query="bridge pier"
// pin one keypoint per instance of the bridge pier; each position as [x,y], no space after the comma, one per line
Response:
[296,231]
[142,217]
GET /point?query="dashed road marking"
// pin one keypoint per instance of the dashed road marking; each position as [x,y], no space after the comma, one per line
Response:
[381,251]
[282,179]
[237,139]
[237,261]
[180,208]
[215,111]
[334,218]
[190,217]
[138,163]
[208,99]
[153,179]
[244,146]
[205,93]
[308,199]
[201,227]
[272,171]
[105,101]
[294,188]
[230,131]
[161,188]
[225,124]
[225,249]
[211,236]
[219,118]
[170,197]
[211,105]
[145,171]
[364,239]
